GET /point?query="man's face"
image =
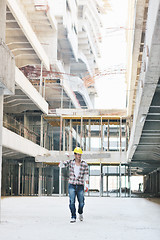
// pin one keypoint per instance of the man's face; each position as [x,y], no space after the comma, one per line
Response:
[78,156]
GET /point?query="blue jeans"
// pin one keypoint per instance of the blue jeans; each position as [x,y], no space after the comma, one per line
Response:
[76,190]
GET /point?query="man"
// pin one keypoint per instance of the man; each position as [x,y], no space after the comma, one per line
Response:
[78,177]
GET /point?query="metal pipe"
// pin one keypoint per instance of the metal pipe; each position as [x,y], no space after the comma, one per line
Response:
[120,190]
[76,135]
[81,135]
[41,136]
[101,134]
[89,134]
[41,79]
[101,180]
[129,180]
[125,180]
[70,136]
[126,136]
[44,88]
[107,182]
[108,136]
[120,135]
[64,140]
[60,181]
[60,134]
[62,97]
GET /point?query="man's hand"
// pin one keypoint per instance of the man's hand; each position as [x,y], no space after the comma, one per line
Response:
[60,164]
[86,187]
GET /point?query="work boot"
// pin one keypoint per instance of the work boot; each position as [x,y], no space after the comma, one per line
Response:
[81,217]
[73,220]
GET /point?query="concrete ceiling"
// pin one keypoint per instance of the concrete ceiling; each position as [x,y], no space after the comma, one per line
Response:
[144,147]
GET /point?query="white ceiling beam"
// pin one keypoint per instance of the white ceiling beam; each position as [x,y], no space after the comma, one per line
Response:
[28,32]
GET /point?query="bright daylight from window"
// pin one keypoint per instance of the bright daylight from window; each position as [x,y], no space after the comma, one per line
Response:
[111,82]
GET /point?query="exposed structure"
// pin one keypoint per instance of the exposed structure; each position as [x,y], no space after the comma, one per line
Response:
[49,51]
[143,92]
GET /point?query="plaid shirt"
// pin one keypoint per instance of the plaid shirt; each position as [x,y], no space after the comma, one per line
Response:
[84,170]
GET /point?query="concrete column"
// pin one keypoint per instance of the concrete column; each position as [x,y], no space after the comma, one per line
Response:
[40,182]
[129,181]
[1,126]
[19,178]
[23,172]
[2,19]
[60,181]
[41,136]
[32,179]
[107,184]
[67,141]
[125,181]
[26,125]
[101,180]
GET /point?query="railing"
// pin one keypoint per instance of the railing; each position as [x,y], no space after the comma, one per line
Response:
[17,127]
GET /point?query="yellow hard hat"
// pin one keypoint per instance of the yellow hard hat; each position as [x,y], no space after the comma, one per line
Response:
[78,150]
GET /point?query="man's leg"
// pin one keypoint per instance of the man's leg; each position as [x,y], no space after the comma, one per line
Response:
[72,196]
[80,197]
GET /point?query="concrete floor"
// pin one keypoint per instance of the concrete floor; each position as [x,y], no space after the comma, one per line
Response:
[47,218]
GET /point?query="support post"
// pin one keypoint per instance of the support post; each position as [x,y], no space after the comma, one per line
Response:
[125,180]
[1,127]
[62,97]
[44,88]
[40,182]
[76,135]
[32,179]
[126,136]
[41,136]
[70,136]
[64,139]
[120,135]
[89,134]
[101,180]
[60,135]
[101,134]
[107,182]
[120,190]
[129,181]
[19,178]
[60,181]
[41,79]
[81,136]
[108,136]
